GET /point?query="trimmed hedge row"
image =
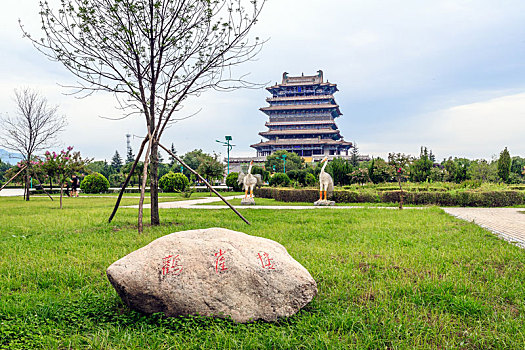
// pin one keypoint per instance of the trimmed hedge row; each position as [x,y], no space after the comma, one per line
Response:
[459,198]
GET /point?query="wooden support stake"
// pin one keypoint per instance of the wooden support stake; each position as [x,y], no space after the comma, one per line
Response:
[205,182]
[11,179]
[127,179]
[41,185]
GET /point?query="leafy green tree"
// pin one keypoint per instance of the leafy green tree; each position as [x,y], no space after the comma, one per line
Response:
[194,159]
[517,166]
[211,169]
[421,168]
[504,165]
[354,155]
[482,170]
[456,169]
[139,170]
[116,162]
[101,167]
[130,157]
[359,176]
[339,168]
[379,171]
[275,161]
[3,168]
[171,158]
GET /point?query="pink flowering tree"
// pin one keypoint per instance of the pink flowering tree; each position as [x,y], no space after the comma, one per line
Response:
[63,165]
[399,164]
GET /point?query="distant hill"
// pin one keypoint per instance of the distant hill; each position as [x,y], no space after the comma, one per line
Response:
[11,158]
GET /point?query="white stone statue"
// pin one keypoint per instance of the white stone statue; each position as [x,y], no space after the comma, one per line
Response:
[325,182]
[249,181]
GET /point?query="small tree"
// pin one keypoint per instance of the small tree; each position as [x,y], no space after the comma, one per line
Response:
[130,157]
[379,171]
[339,168]
[399,163]
[171,158]
[211,169]
[275,161]
[482,170]
[354,155]
[63,165]
[33,128]
[420,168]
[504,165]
[153,54]
[116,162]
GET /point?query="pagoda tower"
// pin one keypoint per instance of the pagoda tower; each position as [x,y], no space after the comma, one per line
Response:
[302,115]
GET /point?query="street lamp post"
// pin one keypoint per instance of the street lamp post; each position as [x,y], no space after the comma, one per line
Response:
[228,148]
[284,165]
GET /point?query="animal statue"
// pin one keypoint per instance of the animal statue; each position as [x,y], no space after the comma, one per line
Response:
[249,181]
[325,181]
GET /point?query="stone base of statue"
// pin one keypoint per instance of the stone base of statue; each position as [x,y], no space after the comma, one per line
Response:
[248,201]
[324,203]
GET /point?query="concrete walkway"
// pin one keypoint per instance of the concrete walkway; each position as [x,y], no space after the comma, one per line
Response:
[197,204]
[508,223]
[12,192]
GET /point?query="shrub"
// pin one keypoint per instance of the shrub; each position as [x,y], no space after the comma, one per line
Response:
[310,180]
[174,182]
[94,183]
[280,179]
[299,176]
[231,181]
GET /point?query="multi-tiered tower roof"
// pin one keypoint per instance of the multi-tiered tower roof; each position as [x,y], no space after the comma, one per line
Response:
[302,115]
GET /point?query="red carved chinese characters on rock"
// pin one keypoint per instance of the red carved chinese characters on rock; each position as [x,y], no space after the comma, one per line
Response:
[171,265]
[266,261]
[220,262]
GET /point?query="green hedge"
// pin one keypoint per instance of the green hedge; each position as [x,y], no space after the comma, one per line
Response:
[458,198]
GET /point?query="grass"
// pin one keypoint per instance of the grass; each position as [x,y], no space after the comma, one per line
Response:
[387,279]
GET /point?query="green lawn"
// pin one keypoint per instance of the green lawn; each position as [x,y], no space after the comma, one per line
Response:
[387,279]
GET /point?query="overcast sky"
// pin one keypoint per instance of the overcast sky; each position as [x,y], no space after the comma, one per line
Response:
[449,75]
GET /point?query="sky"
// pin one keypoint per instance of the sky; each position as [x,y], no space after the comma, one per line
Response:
[448,75]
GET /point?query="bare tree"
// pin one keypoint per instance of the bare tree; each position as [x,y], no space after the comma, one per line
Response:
[152,54]
[34,127]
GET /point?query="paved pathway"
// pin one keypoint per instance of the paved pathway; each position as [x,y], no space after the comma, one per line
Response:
[508,223]
[11,192]
[197,204]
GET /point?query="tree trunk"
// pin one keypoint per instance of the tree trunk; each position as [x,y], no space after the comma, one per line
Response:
[143,190]
[61,191]
[26,191]
[154,183]
[400,193]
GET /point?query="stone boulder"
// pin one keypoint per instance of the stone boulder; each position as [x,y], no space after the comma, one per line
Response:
[213,272]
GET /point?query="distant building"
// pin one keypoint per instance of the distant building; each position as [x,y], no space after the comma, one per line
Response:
[302,115]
